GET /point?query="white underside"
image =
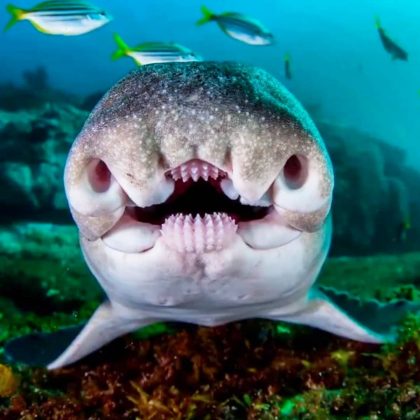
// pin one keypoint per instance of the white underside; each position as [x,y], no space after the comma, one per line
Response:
[143,58]
[235,276]
[209,289]
[251,39]
[57,26]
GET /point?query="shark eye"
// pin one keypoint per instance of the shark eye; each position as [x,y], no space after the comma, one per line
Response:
[295,171]
[99,175]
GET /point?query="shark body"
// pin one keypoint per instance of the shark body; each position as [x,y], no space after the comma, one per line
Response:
[202,193]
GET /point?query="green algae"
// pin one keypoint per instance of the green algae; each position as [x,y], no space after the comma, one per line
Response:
[44,283]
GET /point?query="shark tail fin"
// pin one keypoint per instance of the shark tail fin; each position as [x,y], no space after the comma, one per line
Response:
[207,16]
[16,13]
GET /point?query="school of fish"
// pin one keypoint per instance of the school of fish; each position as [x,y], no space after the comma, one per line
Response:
[77,17]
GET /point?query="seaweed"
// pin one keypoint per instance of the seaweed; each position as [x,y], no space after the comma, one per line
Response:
[240,370]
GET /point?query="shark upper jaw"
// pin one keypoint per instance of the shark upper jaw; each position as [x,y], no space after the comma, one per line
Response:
[203,214]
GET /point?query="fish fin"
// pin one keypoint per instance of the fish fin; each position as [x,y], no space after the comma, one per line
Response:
[37,349]
[207,16]
[17,14]
[346,316]
[107,323]
[378,23]
[381,317]
[123,48]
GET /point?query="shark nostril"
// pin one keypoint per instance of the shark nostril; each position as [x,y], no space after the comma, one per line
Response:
[99,175]
[96,192]
[295,171]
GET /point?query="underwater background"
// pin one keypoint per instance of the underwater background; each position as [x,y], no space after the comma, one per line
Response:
[366,105]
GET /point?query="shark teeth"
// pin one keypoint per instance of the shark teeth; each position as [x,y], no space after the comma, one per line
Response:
[186,233]
[195,170]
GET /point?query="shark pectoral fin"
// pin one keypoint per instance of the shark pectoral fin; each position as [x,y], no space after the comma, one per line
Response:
[381,317]
[320,312]
[107,323]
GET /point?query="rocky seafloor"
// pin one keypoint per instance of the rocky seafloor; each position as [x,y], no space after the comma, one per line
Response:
[254,369]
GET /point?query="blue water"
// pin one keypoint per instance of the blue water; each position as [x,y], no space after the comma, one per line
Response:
[338,62]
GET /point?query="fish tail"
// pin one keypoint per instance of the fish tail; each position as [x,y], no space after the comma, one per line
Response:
[207,16]
[122,50]
[17,14]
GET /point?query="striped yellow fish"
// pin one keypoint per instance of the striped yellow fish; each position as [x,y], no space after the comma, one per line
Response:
[58,17]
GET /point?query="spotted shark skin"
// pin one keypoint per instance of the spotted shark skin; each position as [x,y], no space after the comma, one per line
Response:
[245,126]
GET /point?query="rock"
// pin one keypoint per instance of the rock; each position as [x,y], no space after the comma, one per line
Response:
[33,148]
[373,193]
[17,183]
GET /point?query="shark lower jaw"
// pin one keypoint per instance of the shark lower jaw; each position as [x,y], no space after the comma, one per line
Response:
[203,214]
[199,234]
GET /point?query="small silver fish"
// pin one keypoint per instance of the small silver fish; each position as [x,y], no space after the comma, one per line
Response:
[58,17]
[154,52]
[239,27]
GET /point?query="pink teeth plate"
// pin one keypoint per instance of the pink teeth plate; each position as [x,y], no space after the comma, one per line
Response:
[186,233]
[196,169]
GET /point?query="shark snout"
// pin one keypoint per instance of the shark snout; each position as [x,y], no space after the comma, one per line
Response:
[197,207]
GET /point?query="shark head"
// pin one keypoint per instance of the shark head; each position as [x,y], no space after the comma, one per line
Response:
[200,185]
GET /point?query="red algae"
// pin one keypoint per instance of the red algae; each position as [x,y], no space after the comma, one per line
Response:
[240,370]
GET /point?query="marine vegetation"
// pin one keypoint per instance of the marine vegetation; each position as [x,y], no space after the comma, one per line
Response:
[252,369]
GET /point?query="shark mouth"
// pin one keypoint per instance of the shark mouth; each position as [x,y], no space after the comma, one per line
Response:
[200,189]
[204,213]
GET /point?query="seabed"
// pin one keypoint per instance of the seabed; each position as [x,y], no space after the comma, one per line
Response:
[255,369]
